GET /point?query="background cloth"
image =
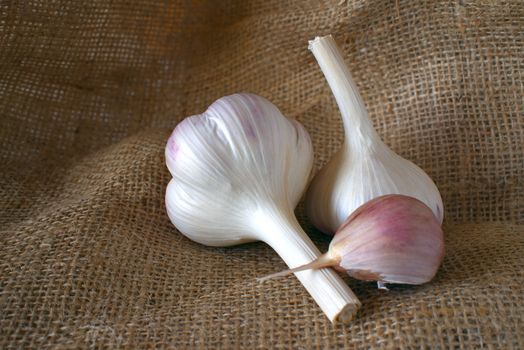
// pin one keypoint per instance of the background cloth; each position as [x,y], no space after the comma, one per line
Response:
[90,90]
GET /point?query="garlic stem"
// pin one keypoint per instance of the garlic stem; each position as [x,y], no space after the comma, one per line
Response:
[357,125]
[288,239]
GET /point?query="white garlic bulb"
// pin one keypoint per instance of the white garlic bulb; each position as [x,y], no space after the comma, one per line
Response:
[239,169]
[364,168]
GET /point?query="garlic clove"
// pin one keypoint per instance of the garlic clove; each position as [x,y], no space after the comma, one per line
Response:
[239,169]
[393,239]
[390,239]
[364,168]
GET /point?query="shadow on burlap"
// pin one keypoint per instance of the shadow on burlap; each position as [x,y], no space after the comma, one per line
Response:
[90,91]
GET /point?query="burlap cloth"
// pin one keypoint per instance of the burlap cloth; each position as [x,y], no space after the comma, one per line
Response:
[89,91]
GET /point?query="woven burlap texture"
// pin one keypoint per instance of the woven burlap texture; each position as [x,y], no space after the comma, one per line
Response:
[89,91]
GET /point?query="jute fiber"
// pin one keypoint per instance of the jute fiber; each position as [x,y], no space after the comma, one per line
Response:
[90,90]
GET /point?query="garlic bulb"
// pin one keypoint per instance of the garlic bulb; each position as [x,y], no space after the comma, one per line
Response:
[364,168]
[390,239]
[239,169]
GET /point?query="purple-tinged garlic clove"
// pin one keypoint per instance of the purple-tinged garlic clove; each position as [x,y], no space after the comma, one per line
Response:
[390,239]
[393,239]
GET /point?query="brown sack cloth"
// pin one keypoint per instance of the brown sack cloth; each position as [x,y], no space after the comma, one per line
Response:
[89,91]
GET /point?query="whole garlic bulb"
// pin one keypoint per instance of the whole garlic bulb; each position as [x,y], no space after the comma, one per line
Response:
[364,168]
[239,169]
[239,158]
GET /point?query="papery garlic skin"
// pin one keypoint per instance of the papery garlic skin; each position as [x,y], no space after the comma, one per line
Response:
[364,168]
[391,239]
[239,169]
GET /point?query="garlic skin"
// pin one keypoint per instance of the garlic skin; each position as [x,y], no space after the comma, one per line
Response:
[364,168]
[390,239]
[239,169]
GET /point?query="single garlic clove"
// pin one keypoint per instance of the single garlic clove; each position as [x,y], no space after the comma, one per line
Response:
[364,168]
[390,239]
[393,239]
[239,169]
